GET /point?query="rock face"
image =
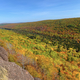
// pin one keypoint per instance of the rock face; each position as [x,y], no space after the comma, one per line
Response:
[10,70]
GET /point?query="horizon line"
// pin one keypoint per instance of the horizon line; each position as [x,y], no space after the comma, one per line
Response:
[38,20]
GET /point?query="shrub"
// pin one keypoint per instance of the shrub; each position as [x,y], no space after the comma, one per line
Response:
[71,25]
[12,58]
[58,48]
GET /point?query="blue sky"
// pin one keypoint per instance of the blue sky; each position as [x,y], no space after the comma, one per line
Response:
[13,11]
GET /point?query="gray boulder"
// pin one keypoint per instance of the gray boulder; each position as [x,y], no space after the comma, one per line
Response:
[37,79]
[3,54]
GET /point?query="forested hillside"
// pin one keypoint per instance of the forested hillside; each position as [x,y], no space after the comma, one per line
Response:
[50,48]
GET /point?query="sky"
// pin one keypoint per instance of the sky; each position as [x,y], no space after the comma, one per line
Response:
[15,11]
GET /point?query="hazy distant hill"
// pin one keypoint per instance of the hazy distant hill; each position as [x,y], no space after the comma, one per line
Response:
[48,25]
[2,24]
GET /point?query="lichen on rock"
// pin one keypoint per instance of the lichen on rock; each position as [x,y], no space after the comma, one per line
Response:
[3,73]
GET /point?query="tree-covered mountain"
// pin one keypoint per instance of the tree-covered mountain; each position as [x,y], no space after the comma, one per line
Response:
[51,48]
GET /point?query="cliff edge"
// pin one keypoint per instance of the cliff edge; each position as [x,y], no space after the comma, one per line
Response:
[10,70]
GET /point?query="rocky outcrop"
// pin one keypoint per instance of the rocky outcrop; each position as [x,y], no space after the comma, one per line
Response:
[11,71]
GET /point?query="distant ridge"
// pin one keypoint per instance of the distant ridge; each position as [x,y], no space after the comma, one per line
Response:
[37,21]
